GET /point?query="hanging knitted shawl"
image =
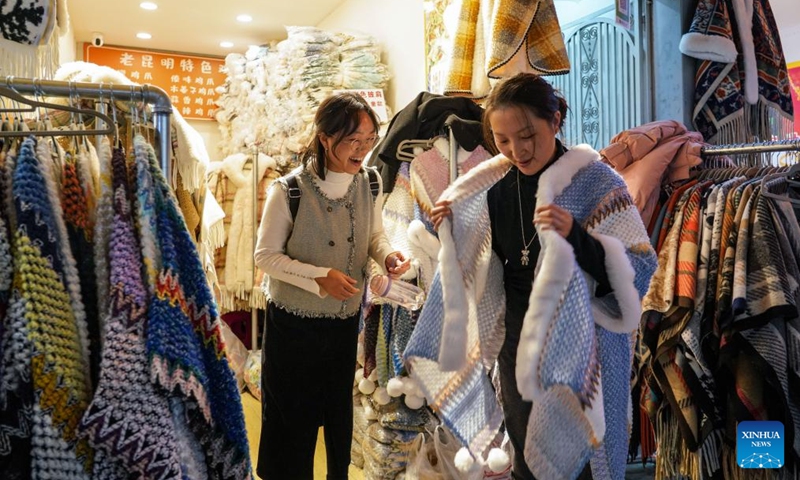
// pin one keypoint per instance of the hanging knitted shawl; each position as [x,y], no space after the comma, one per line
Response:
[102,229]
[565,330]
[28,42]
[742,92]
[58,366]
[129,419]
[184,343]
[79,229]
[16,351]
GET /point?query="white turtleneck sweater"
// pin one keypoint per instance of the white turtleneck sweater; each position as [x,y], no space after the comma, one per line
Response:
[276,226]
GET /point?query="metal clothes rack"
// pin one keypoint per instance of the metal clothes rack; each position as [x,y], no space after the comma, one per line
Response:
[155,96]
[752,148]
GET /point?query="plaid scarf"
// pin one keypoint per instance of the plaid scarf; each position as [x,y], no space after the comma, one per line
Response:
[499,38]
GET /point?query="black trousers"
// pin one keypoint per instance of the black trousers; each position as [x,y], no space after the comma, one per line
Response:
[306,382]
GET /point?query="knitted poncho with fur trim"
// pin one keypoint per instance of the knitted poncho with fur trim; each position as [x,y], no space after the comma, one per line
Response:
[575,351]
[184,342]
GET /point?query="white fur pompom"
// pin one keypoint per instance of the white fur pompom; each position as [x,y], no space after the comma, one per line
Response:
[498,460]
[374,375]
[359,375]
[413,402]
[381,397]
[395,387]
[464,460]
[370,414]
[366,386]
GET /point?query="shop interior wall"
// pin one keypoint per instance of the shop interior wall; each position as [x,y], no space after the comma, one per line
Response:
[399,27]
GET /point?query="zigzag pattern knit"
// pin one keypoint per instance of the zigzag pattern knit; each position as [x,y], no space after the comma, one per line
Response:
[58,369]
[184,342]
[128,419]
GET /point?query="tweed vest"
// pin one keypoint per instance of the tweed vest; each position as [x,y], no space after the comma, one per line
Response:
[328,233]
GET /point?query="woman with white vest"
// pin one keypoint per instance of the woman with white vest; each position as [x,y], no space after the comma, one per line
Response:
[321,224]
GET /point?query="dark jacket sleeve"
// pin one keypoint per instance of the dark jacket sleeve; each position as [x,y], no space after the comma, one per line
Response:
[591,257]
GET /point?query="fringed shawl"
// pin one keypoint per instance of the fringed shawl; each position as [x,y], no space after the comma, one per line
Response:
[456,338]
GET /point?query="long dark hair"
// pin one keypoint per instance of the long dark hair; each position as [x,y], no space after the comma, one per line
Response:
[337,116]
[528,91]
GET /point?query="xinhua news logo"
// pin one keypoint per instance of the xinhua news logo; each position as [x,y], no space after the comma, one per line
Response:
[759,444]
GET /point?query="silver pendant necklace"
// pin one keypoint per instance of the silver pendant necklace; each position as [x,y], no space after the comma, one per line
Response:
[525,259]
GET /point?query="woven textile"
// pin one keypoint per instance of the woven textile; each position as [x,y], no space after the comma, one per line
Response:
[499,38]
[79,230]
[102,228]
[562,314]
[29,22]
[58,365]
[743,95]
[128,418]
[184,343]
[16,350]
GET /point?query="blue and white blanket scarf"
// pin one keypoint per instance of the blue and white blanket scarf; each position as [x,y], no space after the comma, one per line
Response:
[575,352]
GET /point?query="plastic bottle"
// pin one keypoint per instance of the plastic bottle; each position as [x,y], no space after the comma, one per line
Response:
[397,291]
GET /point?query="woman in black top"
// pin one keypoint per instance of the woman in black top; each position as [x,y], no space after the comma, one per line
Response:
[522,118]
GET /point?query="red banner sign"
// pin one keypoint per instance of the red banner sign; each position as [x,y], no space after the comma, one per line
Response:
[189,80]
[794,79]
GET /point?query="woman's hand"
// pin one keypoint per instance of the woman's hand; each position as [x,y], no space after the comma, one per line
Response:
[439,212]
[396,264]
[338,285]
[553,217]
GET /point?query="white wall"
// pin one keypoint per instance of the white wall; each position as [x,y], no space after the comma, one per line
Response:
[399,26]
[569,11]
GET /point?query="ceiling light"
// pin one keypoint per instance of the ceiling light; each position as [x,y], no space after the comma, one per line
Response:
[148,5]
[144,35]
[226,44]
[244,18]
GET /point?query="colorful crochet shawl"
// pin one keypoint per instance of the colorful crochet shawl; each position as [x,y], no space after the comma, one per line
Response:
[129,419]
[184,343]
[58,364]
[575,353]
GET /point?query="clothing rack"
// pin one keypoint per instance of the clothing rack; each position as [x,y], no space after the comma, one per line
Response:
[149,94]
[748,148]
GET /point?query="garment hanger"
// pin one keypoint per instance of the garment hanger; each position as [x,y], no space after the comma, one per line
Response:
[405,149]
[8,91]
[790,176]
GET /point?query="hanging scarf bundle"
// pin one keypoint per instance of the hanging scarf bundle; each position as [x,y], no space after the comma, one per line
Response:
[184,342]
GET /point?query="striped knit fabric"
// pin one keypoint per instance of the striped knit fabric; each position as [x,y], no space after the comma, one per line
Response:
[129,420]
[80,232]
[184,343]
[58,367]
